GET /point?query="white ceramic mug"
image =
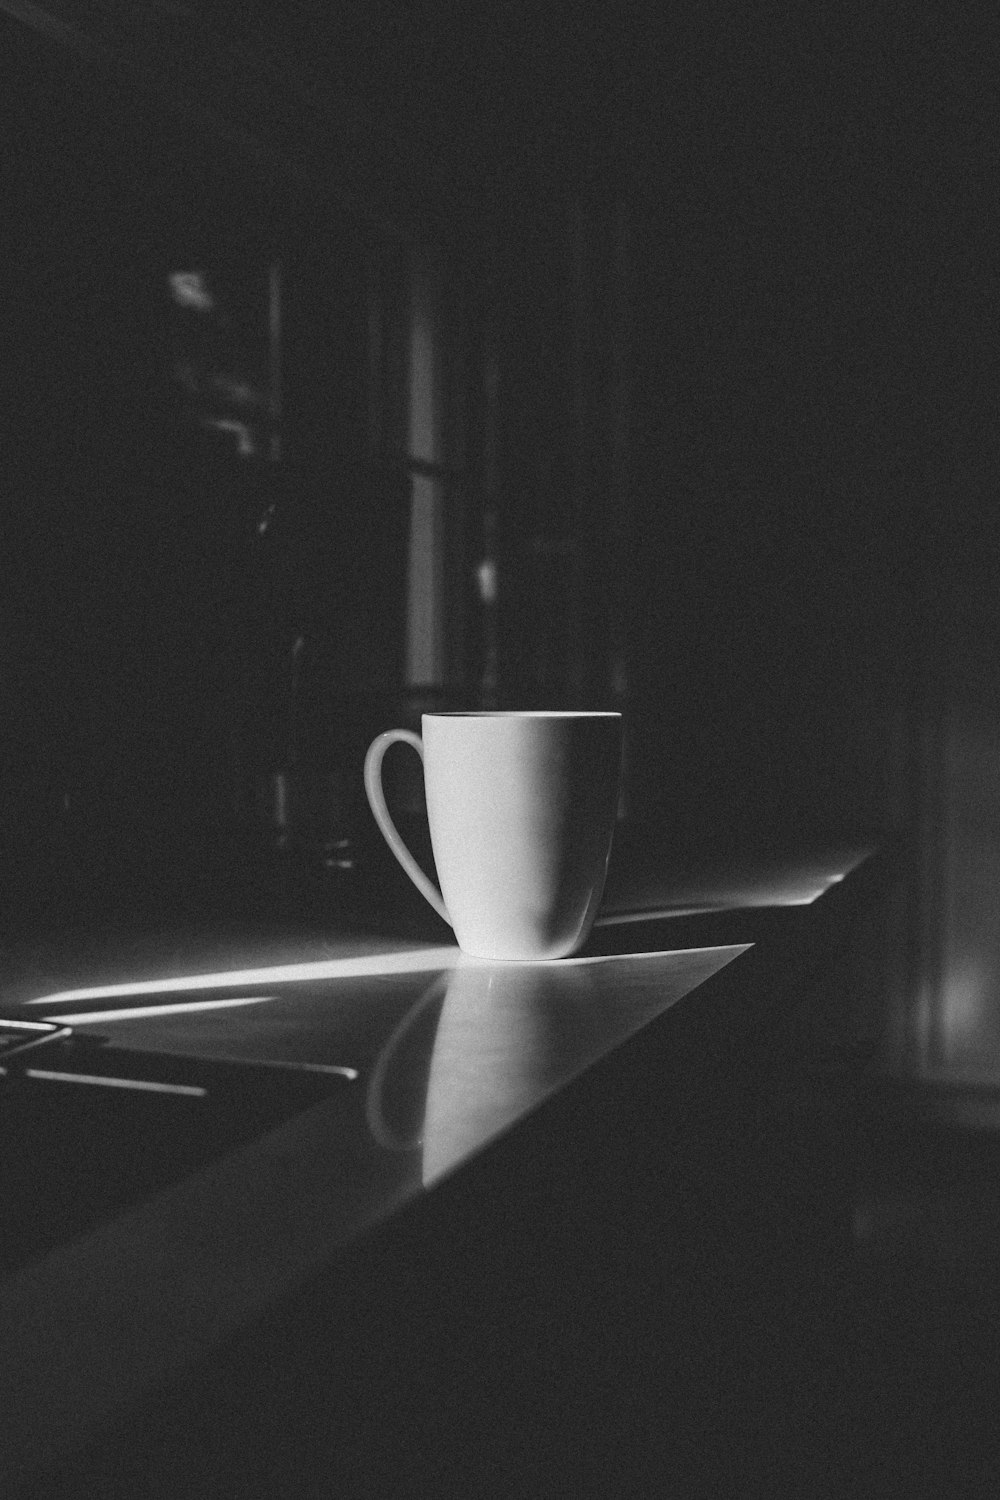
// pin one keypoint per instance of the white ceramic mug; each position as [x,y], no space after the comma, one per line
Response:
[522,810]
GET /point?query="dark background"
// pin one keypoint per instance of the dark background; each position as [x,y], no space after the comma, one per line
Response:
[798,511]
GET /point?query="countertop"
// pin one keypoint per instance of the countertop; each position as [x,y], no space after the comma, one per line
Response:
[386,1066]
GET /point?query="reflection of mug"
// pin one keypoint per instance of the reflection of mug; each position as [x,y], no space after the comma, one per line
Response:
[507,1036]
[483,1045]
[396,1097]
[521,808]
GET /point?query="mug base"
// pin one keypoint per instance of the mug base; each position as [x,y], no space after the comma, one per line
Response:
[502,954]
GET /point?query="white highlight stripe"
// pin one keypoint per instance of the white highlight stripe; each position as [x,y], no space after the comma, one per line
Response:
[664,913]
[362,966]
[424,960]
[145,1084]
[143,1012]
[333,1069]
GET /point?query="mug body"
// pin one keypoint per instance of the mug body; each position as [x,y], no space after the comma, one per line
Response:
[522,810]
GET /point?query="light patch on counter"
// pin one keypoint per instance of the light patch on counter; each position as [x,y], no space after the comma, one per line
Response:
[108,1081]
[360,966]
[424,960]
[142,1012]
[795,889]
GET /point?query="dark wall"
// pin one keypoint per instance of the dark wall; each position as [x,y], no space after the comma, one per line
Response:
[712,222]
[808,197]
[119,534]
[770,408]
[810,298]
[153,581]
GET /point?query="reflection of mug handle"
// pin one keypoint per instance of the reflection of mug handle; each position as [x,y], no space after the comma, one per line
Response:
[377,803]
[377,1123]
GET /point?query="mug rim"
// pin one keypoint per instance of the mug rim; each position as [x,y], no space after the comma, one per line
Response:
[525,713]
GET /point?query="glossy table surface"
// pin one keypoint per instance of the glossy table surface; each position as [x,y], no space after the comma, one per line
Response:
[431,1056]
[418,1058]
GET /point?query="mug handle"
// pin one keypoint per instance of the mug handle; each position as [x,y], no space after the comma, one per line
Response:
[377,803]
